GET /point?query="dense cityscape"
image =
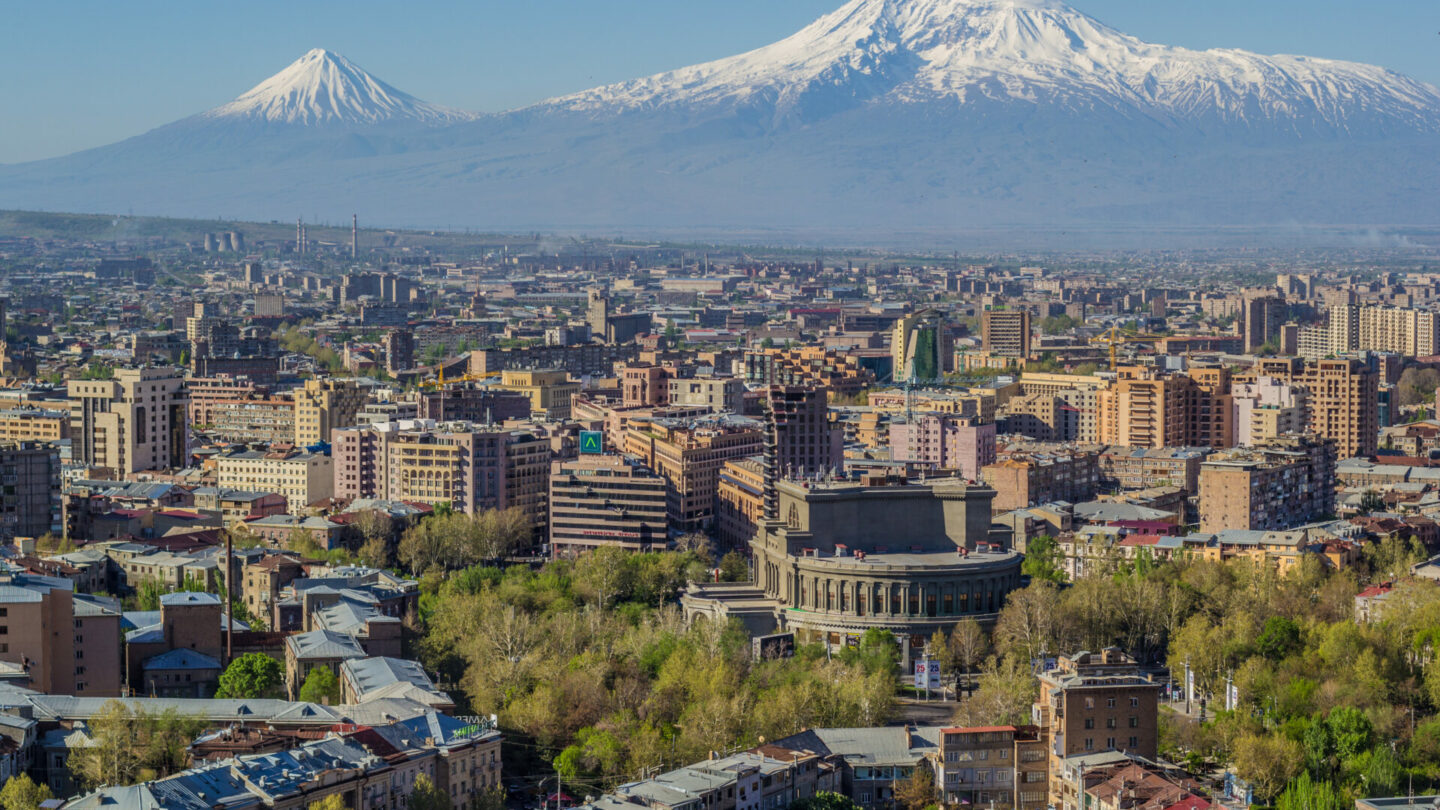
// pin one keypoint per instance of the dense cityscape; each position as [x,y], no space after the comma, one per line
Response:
[316,516]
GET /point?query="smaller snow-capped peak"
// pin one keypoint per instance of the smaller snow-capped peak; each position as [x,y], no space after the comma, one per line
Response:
[324,87]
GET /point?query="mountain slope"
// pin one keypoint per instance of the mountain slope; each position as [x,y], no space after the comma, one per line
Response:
[881,118]
[326,88]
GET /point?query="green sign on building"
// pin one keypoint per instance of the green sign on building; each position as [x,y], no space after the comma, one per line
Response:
[592,441]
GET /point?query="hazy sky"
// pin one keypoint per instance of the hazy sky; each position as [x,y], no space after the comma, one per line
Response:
[83,73]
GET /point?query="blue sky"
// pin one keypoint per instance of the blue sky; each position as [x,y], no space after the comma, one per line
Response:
[82,73]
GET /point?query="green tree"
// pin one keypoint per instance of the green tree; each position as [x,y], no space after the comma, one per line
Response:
[734,567]
[1279,638]
[1043,560]
[825,800]
[321,686]
[252,676]
[426,796]
[968,645]
[22,793]
[335,801]
[1307,794]
[1267,762]
[917,791]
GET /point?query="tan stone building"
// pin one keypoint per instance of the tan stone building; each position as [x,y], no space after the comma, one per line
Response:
[549,391]
[1342,399]
[738,505]
[303,478]
[324,405]
[1006,332]
[1150,408]
[688,454]
[133,422]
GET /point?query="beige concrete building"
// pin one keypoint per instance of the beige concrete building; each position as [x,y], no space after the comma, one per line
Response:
[1399,330]
[303,478]
[606,501]
[1268,409]
[133,422]
[549,391]
[324,405]
[738,503]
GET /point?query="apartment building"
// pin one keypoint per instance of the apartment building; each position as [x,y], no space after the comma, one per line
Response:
[1001,764]
[688,454]
[739,502]
[469,467]
[322,406]
[838,373]
[1026,476]
[606,501]
[1342,399]
[132,422]
[921,347]
[29,489]
[1138,468]
[1267,409]
[1093,702]
[33,425]
[1260,318]
[1397,330]
[943,441]
[1006,332]
[65,643]
[719,394]
[1277,484]
[303,478]
[1147,407]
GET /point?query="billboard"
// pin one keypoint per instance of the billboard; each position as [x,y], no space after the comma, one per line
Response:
[779,645]
[927,674]
[592,442]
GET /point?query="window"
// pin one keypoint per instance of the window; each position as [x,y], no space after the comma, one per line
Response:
[1089,722]
[1089,744]
[1134,742]
[1110,722]
[1134,721]
[1134,702]
[1109,742]
[1110,702]
[1089,703]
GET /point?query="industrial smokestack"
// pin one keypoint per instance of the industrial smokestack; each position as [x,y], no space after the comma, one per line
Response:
[354,235]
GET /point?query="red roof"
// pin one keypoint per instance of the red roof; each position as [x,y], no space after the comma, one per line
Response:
[1141,540]
[1377,590]
[1191,803]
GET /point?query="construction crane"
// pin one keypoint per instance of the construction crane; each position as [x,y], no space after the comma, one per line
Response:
[441,381]
[1115,337]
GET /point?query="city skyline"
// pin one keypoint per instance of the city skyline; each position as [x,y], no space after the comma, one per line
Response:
[96,74]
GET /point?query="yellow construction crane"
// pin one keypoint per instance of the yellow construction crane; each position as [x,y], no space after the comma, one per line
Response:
[467,377]
[1115,337]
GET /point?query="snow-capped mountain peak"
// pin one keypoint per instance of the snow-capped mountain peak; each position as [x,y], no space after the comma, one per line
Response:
[324,87]
[1027,51]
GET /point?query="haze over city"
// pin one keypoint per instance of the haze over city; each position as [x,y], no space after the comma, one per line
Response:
[819,405]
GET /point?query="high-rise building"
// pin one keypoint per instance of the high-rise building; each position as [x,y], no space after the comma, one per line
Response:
[838,373]
[322,406]
[269,305]
[399,350]
[1261,317]
[1398,330]
[1006,332]
[30,495]
[809,444]
[1342,399]
[920,346]
[1277,484]
[133,422]
[1148,407]
[606,501]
